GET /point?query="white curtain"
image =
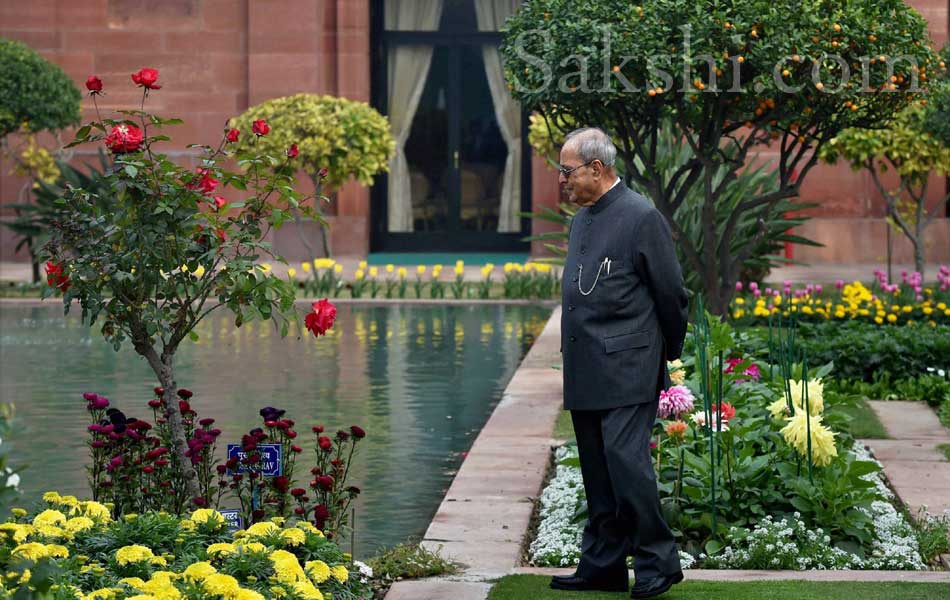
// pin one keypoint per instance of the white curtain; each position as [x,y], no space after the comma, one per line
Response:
[491,16]
[408,71]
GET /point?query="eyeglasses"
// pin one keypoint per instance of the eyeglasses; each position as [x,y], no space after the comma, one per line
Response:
[567,172]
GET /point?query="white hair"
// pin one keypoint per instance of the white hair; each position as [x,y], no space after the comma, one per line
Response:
[591,143]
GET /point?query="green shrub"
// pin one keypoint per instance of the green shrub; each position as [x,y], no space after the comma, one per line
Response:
[34,93]
[409,561]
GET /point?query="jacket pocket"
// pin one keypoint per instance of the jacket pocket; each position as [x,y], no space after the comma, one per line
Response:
[626,341]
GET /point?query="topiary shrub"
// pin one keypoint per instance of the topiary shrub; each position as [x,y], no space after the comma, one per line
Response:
[34,93]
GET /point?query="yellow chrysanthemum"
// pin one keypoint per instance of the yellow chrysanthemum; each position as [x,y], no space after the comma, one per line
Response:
[19,532]
[221,549]
[293,537]
[52,497]
[246,594]
[79,524]
[199,570]
[17,512]
[102,594]
[251,546]
[133,554]
[286,567]
[32,551]
[49,517]
[822,439]
[306,590]
[318,570]
[203,515]
[340,573]
[816,401]
[309,528]
[262,529]
[221,584]
[95,511]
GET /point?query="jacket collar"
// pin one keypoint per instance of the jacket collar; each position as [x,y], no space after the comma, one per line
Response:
[608,198]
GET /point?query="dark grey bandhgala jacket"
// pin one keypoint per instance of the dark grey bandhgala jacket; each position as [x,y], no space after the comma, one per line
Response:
[619,327]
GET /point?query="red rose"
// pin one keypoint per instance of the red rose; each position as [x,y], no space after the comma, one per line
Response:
[146,78]
[56,276]
[124,138]
[325,443]
[219,202]
[232,135]
[260,127]
[292,152]
[204,183]
[323,172]
[321,319]
[94,85]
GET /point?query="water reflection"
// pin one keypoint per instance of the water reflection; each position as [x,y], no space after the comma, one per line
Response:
[421,380]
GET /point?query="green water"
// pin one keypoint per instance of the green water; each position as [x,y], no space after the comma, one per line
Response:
[422,381]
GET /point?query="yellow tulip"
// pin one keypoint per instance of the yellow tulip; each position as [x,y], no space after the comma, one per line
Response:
[390,268]
[373,272]
[359,275]
[305,266]
[291,272]
[421,269]
[402,272]
[338,268]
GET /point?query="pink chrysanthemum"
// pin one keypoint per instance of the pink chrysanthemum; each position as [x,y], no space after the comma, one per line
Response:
[675,401]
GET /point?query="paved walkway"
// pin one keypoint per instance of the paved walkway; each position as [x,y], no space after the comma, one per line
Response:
[915,467]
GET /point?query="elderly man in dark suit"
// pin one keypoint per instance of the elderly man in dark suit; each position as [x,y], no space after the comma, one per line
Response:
[624,314]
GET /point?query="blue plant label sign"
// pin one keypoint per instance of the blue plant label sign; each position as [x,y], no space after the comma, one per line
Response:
[232,518]
[271,459]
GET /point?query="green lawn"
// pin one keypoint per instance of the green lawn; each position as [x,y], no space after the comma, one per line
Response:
[865,425]
[563,428]
[535,587]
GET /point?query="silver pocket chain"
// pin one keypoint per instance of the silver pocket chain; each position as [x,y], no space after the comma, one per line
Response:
[580,276]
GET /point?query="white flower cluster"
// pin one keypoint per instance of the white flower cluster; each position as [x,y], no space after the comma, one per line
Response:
[783,544]
[558,543]
[789,544]
[366,571]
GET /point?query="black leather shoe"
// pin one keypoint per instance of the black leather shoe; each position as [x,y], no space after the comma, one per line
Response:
[654,586]
[573,583]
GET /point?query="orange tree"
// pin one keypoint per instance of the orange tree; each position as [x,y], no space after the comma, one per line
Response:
[152,249]
[733,77]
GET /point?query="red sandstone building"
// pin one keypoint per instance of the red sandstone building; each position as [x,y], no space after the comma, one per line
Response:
[463,170]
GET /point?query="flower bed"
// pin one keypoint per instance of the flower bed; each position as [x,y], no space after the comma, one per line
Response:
[75,549]
[755,469]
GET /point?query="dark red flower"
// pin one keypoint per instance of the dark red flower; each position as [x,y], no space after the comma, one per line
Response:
[148,469]
[184,407]
[232,135]
[281,483]
[270,424]
[146,78]
[293,152]
[185,394]
[199,501]
[221,469]
[296,449]
[325,443]
[207,422]
[299,510]
[323,172]
[357,432]
[353,490]
[321,319]
[342,435]
[204,183]
[260,127]
[56,276]
[297,492]
[325,483]
[155,403]
[291,434]
[258,514]
[97,403]
[219,202]
[94,85]
[321,513]
[124,138]
[317,428]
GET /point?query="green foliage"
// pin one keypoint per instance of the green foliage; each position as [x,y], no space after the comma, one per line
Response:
[346,137]
[932,389]
[409,561]
[860,350]
[34,93]
[937,116]
[617,65]
[933,536]
[9,479]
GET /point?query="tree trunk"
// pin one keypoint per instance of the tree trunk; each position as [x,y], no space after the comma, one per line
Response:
[163,368]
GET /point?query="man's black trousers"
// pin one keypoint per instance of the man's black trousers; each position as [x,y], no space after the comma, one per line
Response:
[624,508]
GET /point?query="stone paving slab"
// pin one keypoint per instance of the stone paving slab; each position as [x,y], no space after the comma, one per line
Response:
[909,420]
[438,590]
[737,575]
[914,466]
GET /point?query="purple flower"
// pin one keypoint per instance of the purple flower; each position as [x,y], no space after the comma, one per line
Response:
[675,401]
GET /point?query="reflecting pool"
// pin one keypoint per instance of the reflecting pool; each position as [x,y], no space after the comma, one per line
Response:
[421,379]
